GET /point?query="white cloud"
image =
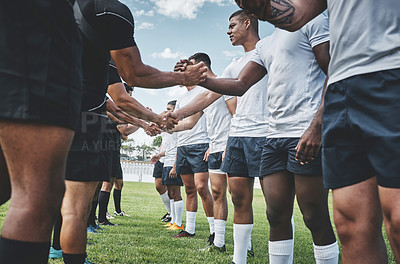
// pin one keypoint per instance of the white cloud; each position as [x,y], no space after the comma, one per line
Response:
[231,54]
[168,54]
[182,8]
[176,92]
[141,12]
[151,91]
[145,25]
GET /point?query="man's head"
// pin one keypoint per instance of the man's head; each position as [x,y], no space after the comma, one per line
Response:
[198,57]
[128,89]
[240,25]
[261,9]
[171,106]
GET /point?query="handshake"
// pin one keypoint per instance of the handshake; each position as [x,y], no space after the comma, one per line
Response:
[166,124]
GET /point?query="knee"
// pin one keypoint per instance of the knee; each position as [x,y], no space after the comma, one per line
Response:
[218,195]
[203,190]
[277,216]
[190,191]
[313,221]
[240,201]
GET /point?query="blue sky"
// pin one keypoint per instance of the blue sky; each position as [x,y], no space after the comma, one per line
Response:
[168,30]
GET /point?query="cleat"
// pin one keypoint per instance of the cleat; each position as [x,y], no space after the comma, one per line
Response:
[122,213]
[250,253]
[91,229]
[183,233]
[107,223]
[166,218]
[87,261]
[210,239]
[213,248]
[168,224]
[55,254]
[176,227]
[109,216]
[97,227]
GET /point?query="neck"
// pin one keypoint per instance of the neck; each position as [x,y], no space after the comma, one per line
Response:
[250,42]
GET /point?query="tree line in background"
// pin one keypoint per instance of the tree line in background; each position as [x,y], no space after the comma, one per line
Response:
[139,152]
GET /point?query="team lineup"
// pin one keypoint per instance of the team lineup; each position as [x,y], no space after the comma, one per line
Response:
[308,109]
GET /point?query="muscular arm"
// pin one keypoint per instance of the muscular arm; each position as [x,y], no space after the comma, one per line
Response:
[126,130]
[287,14]
[136,73]
[188,123]
[250,75]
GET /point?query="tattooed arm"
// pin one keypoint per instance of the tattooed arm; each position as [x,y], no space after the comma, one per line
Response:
[287,14]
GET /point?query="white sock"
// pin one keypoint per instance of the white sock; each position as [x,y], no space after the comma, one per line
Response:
[173,215]
[190,222]
[249,246]
[219,239]
[165,199]
[291,255]
[281,252]
[178,212]
[328,254]
[211,224]
[241,242]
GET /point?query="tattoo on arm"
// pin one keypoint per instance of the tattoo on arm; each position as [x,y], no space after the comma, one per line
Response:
[282,12]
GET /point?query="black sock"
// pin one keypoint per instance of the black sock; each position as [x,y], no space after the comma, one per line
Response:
[56,232]
[104,197]
[21,252]
[117,200]
[74,258]
[92,215]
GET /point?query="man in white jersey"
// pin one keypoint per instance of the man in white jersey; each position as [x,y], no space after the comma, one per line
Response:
[192,146]
[247,133]
[171,179]
[360,132]
[296,81]
[218,119]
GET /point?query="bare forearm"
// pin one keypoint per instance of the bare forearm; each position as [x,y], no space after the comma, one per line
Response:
[134,108]
[199,103]
[225,86]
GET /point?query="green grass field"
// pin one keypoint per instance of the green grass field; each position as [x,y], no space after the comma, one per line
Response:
[142,238]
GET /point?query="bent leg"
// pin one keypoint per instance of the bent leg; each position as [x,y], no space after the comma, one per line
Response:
[358,219]
[218,187]
[201,182]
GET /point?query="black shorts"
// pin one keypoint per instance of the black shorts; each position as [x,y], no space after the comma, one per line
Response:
[40,62]
[158,169]
[114,169]
[190,159]
[86,166]
[361,130]
[243,156]
[166,180]
[279,154]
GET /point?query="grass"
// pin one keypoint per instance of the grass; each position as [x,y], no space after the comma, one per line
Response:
[142,238]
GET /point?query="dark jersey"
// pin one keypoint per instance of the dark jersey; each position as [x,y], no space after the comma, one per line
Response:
[113,75]
[114,23]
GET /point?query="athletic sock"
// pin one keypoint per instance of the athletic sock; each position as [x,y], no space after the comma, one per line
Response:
[74,258]
[249,246]
[190,222]
[56,232]
[104,197]
[281,252]
[173,215]
[241,241]
[211,224]
[328,254]
[219,239]
[92,215]
[21,252]
[178,212]
[117,200]
[165,199]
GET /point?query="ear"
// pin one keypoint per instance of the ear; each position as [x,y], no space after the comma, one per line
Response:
[247,23]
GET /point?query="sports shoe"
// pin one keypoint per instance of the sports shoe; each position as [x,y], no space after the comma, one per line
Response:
[250,253]
[210,239]
[213,248]
[176,227]
[55,254]
[107,223]
[183,233]
[166,218]
[168,224]
[109,216]
[97,227]
[122,213]
[87,261]
[91,229]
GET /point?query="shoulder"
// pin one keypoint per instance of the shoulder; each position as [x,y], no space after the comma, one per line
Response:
[114,8]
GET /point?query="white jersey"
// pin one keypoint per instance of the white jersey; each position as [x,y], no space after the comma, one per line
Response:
[163,146]
[170,151]
[198,134]
[250,119]
[295,79]
[218,119]
[365,37]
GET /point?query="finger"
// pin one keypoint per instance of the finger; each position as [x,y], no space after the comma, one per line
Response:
[300,149]
[305,157]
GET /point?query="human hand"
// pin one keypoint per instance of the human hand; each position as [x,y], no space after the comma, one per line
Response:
[180,66]
[168,122]
[195,74]
[172,173]
[152,129]
[309,144]
[206,155]
[155,158]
